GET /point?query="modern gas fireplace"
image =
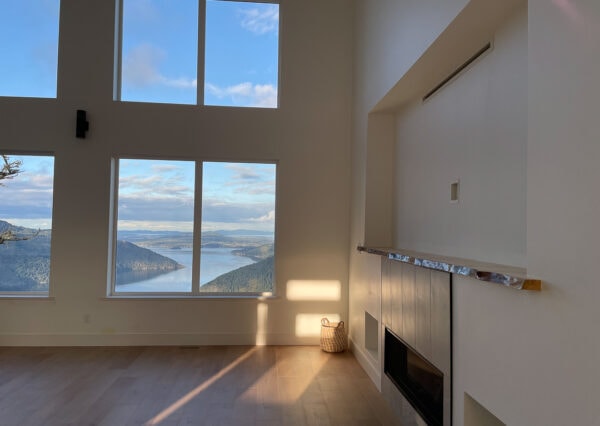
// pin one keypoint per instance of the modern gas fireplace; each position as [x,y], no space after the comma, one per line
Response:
[416,335]
[421,383]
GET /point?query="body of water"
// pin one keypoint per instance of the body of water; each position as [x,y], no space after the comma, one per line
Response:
[213,263]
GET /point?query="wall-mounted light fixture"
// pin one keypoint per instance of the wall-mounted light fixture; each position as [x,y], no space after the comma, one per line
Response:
[82,125]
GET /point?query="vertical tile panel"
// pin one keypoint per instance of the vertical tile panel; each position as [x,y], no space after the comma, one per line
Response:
[408,304]
[423,311]
[386,292]
[440,321]
[396,293]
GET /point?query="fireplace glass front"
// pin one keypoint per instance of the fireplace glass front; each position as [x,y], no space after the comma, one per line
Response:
[421,383]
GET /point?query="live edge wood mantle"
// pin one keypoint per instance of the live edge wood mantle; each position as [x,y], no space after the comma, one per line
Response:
[508,276]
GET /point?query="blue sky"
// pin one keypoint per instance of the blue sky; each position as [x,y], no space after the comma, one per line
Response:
[155,195]
[159,52]
[159,195]
[27,198]
[29,47]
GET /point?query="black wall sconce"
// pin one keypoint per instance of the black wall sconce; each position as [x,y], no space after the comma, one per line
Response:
[82,124]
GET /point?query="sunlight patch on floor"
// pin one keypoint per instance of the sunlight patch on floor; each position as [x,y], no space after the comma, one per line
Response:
[199,389]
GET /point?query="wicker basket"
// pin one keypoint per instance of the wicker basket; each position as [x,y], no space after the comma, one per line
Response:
[333,336]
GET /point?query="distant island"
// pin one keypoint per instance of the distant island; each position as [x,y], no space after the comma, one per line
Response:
[257,277]
[26,264]
[134,263]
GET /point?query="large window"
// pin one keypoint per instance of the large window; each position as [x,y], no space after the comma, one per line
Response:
[191,228]
[160,52]
[26,187]
[29,46]
[241,65]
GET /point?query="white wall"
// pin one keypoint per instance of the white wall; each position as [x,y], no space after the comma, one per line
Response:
[532,359]
[529,358]
[473,130]
[308,136]
[388,41]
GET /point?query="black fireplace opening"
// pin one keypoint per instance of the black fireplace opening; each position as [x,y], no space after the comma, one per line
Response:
[421,383]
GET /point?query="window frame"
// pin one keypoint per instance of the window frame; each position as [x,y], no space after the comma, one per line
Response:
[201,59]
[195,292]
[46,295]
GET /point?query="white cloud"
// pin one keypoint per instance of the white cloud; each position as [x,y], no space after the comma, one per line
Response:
[268,218]
[141,69]
[261,21]
[246,94]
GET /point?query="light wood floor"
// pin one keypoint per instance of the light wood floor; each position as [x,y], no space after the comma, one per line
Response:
[234,385]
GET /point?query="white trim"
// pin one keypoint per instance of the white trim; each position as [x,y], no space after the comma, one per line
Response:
[366,362]
[151,339]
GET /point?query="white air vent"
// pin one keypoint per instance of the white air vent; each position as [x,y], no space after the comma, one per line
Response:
[458,70]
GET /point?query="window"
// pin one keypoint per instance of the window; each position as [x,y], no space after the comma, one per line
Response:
[29,45]
[241,54]
[159,51]
[175,236]
[160,61]
[25,223]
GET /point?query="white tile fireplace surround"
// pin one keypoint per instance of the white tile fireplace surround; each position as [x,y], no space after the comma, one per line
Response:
[415,329]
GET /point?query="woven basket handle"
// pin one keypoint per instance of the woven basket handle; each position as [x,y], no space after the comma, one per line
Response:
[324,321]
[340,324]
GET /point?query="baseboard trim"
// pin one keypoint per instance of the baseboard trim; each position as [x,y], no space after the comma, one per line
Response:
[366,362]
[151,339]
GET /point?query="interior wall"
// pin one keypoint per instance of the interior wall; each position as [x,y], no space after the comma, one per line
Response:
[474,131]
[308,136]
[529,358]
[390,36]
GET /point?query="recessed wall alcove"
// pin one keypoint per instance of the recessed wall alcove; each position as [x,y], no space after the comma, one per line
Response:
[473,130]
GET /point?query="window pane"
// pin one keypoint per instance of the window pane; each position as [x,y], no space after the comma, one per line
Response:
[25,223]
[155,225]
[29,46]
[241,59]
[238,226]
[159,51]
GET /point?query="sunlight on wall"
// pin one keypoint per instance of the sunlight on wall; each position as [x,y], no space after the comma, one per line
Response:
[309,325]
[262,315]
[324,290]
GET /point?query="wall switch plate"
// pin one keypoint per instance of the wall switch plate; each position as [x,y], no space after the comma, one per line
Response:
[454,191]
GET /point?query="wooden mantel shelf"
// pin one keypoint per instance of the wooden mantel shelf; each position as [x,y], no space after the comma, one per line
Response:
[498,274]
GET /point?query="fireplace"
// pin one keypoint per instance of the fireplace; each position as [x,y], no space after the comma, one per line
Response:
[421,383]
[416,335]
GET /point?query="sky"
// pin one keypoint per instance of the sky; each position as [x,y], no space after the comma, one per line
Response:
[27,197]
[28,58]
[155,195]
[160,51]
[159,195]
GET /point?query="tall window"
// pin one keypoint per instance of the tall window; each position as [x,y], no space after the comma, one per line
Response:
[162,245]
[26,188]
[241,56]
[160,52]
[29,46]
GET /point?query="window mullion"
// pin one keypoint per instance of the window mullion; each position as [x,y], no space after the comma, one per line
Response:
[197,229]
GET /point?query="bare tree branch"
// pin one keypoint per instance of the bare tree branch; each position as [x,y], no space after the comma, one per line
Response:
[9,169]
